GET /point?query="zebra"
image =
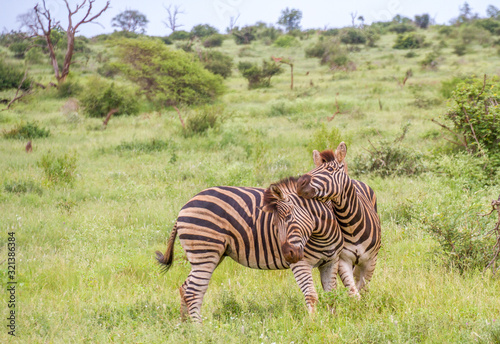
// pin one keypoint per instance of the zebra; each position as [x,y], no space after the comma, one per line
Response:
[259,228]
[355,206]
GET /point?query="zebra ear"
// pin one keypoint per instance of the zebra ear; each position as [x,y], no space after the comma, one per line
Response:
[271,196]
[317,158]
[341,152]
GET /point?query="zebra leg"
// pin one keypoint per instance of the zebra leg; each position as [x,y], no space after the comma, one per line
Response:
[328,274]
[346,275]
[195,287]
[364,273]
[184,309]
[302,272]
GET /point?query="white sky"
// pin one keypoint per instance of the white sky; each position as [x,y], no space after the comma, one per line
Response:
[316,13]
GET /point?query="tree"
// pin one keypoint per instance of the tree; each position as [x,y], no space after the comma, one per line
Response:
[203,30]
[166,76]
[131,21]
[290,19]
[422,21]
[493,12]
[40,23]
[173,13]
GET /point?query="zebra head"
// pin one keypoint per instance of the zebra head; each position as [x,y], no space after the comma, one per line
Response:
[292,216]
[329,179]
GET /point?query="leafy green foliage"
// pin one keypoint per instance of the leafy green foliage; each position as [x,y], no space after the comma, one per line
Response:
[245,35]
[100,96]
[22,187]
[390,158]
[203,30]
[167,76]
[286,41]
[179,35]
[11,76]
[475,115]
[325,138]
[19,49]
[148,146]
[217,62]
[59,168]
[212,41]
[26,131]
[70,88]
[202,119]
[422,21]
[353,36]
[460,49]
[131,21]
[409,41]
[290,19]
[259,76]
[331,53]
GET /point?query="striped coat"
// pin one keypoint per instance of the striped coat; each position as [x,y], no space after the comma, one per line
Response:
[263,229]
[355,206]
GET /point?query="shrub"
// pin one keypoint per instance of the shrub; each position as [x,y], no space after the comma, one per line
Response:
[390,158]
[69,88]
[409,41]
[286,41]
[411,54]
[460,49]
[475,116]
[34,56]
[100,97]
[448,86]
[179,35]
[58,168]
[213,41]
[19,49]
[153,145]
[401,27]
[244,35]
[108,70]
[464,242]
[430,61]
[203,30]
[22,186]
[317,49]
[353,36]
[324,138]
[26,131]
[11,76]
[208,116]
[470,34]
[259,76]
[217,62]
[167,76]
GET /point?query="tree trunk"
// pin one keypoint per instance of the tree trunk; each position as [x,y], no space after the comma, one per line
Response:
[52,55]
[68,57]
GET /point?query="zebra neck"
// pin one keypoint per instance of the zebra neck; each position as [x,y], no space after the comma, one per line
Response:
[349,210]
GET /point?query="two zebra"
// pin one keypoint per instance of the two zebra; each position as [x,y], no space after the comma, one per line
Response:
[293,224]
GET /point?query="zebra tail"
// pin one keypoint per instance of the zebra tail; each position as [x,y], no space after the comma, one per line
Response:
[166,260]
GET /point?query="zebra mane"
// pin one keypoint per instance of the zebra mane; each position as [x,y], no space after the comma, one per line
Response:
[327,155]
[275,190]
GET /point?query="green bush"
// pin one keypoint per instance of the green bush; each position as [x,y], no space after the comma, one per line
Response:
[26,131]
[203,30]
[464,242]
[108,70]
[430,61]
[317,49]
[149,146]
[19,49]
[324,138]
[22,186]
[34,56]
[244,35]
[448,86]
[202,119]
[217,62]
[286,41]
[69,88]
[401,27]
[213,41]
[259,76]
[474,114]
[390,157]
[353,36]
[409,41]
[167,76]
[100,96]
[179,35]
[11,76]
[59,168]
[460,49]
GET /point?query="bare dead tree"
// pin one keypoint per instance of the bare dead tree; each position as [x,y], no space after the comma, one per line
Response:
[353,18]
[172,18]
[40,23]
[18,96]
[232,23]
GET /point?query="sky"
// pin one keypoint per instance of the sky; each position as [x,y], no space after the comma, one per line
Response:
[316,13]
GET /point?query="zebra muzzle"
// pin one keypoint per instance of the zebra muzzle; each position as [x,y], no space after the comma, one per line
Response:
[292,253]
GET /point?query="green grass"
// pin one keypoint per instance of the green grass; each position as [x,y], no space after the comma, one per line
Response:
[85,250]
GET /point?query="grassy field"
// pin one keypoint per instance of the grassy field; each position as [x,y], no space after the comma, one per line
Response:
[85,250]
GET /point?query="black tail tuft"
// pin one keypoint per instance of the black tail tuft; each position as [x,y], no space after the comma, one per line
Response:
[166,260]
